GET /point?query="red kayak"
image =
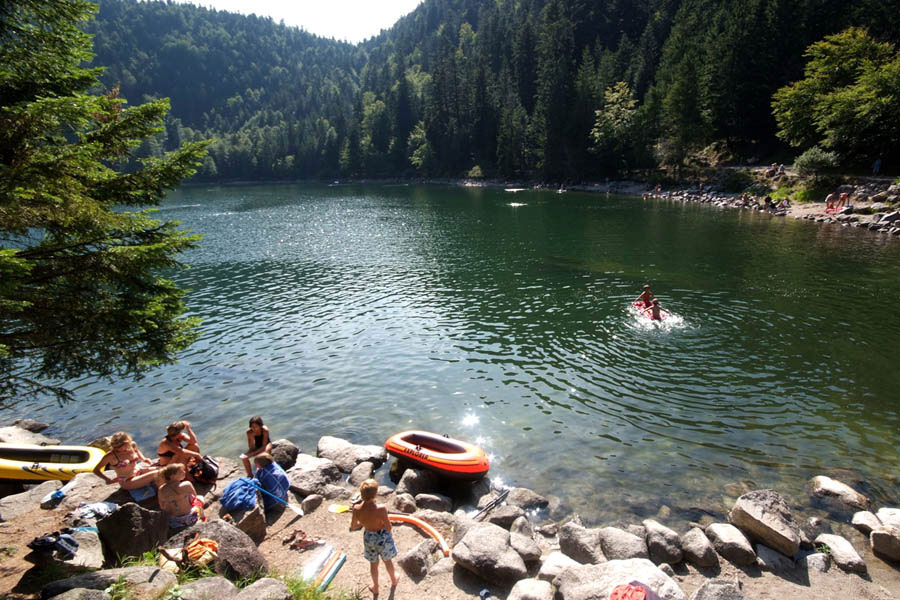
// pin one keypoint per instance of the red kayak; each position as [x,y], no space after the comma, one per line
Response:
[644,309]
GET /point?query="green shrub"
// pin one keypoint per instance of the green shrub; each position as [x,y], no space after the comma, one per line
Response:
[815,161]
[475,173]
[736,180]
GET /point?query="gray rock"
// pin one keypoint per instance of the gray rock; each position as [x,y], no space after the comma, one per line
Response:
[891,217]
[731,543]
[842,553]
[554,564]
[209,588]
[663,544]
[885,541]
[311,475]
[253,523]
[360,473]
[865,521]
[132,530]
[405,503]
[522,526]
[347,455]
[531,589]
[311,503]
[417,481]
[505,515]
[90,550]
[485,551]
[773,560]
[815,562]
[831,488]
[595,582]
[83,594]
[766,517]
[17,435]
[266,588]
[17,504]
[621,545]
[525,546]
[30,425]
[667,569]
[418,560]
[238,555]
[285,453]
[889,516]
[144,583]
[580,543]
[526,499]
[437,502]
[718,589]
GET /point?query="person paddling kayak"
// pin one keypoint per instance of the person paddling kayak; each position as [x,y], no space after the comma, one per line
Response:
[656,312]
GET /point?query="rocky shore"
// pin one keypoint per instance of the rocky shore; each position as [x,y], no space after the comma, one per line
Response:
[518,549]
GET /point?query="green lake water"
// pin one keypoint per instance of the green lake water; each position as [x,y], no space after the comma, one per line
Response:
[504,319]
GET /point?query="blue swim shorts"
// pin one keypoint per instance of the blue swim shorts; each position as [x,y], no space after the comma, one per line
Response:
[378,543]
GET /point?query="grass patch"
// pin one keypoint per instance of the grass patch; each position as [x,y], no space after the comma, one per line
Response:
[304,590]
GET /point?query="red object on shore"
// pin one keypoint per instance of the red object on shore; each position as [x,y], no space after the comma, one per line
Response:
[441,454]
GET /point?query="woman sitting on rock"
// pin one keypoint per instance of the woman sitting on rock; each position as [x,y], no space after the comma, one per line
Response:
[179,446]
[133,470]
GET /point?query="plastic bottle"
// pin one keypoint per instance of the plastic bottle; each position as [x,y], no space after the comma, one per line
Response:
[55,497]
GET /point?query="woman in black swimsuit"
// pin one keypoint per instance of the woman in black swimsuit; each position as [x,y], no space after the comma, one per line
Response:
[257,442]
[179,446]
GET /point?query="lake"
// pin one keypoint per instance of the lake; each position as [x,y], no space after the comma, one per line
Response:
[504,318]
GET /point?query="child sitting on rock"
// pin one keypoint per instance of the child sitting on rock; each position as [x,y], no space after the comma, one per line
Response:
[178,497]
[377,537]
[272,478]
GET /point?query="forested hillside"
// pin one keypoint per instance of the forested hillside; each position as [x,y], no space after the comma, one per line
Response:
[563,90]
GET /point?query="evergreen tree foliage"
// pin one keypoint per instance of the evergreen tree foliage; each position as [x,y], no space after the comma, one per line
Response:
[80,286]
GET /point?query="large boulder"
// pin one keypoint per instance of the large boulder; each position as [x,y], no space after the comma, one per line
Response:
[311,475]
[144,583]
[17,504]
[31,425]
[438,502]
[841,492]
[238,556]
[554,564]
[83,594]
[525,546]
[405,503]
[90,550]
[285,453]
[531,589]
[266,588]
[621,545]
[842,553]
[663,544]
[865,521]
[17,435]
[718,589]
[580,543]
[132,530]
[526,499]
[594,582]
[347,455]
[772,560]
[360,473]
[698,550]
[889,516]
[504,515]
[418,560]
[208,588]
[485,550]
[417,481]
[885,541]
[731,543]
[253,523]
[765,517]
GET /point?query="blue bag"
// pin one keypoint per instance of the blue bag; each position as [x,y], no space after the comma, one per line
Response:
[238,495]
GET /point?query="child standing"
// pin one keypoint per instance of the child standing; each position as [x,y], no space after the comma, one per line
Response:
[257,442]
[377,538]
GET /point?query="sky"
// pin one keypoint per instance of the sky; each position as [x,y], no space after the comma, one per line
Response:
[350,20]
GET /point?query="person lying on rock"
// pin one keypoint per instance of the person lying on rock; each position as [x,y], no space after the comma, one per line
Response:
[177,497]
[179,446]
[378,541]
[272,478]
[257,442]
[133,470]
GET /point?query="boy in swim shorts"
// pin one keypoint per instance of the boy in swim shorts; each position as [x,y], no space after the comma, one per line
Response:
[378,541]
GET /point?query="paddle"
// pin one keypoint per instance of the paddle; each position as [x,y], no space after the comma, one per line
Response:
[492,503]
[293,507]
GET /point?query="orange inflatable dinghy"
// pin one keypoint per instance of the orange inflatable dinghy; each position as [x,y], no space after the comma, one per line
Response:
[441,454]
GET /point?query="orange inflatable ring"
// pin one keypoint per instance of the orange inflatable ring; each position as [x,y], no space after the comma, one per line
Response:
[444,455]
[434,533]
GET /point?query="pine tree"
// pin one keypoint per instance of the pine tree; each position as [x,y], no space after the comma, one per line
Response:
[80,290]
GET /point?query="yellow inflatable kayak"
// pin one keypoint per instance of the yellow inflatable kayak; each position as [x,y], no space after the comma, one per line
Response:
[30,462]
